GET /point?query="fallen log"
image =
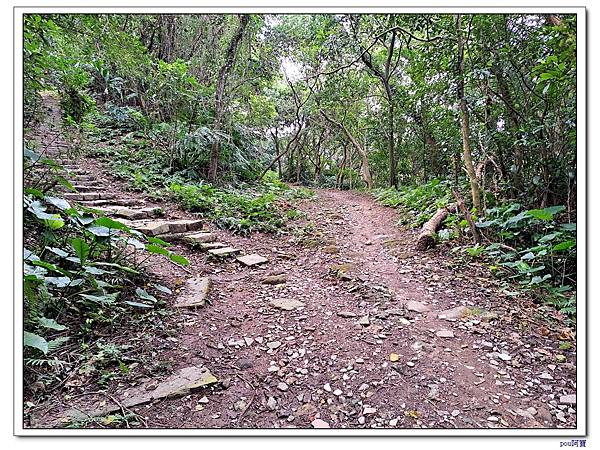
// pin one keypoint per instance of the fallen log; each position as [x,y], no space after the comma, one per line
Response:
[426,238]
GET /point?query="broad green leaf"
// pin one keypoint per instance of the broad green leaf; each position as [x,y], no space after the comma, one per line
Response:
[102,299]
[540,214]
[565,245]
[164,289]
[60,203]
[28,255]
[58,281]
[151,248]
[51,323]
[34,192]
[144,295]
[568,226]
[94,270]
[548,237]
[35,341]
[99,231]
[179,259]
[58,251]
[82,249]
[139,305]
[66,183]
[110,223]
[157,241]
[30,154]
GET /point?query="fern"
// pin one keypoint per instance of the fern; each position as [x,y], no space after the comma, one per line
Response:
[54,363]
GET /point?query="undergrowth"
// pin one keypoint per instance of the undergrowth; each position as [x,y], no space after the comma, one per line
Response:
[258,206]
[83,277]
[531,250]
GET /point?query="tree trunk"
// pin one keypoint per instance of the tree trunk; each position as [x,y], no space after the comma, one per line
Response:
[220,92]
[391,149]
[468,159]
[275,136]
[460,201]
[426,237]
[364,167]
[340,177]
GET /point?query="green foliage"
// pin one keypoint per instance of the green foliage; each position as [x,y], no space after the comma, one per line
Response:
[81,270]
[529,247]
[419,202]
[232,210]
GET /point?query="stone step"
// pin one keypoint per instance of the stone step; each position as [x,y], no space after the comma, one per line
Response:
[194,294]
[86,178]
[159,227]
[84,196]
[87,187]
[117,202]
[252,260]
[184,382]
[133,214]
[199,238]
[212,245]
[224,251]
[78,171]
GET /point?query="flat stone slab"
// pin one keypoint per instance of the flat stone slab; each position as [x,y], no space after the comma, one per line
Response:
[211,245]
[223,251]
[196,291]
[570,399]
[82,196]
[252,260]
[115,202]
[419,307]
[453,313]
[152,228]
[141,213]
[200,238]
[445,334]
[182,383]
[287,304]
[159,227]
[88,187]
[275,279]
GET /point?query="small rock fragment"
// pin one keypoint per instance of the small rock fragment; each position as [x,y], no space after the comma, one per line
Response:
[319,423]
[570,399]
[445,334]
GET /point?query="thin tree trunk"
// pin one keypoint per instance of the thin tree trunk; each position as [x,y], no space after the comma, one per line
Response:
[460,201]
[364,169]
[468,159]
[220,92]
[275,136]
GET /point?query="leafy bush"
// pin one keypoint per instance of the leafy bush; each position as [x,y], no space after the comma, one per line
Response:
[232,210]
[75,104]
[419,203]
[528,247]
[80,270]
[125,118]
[534,249]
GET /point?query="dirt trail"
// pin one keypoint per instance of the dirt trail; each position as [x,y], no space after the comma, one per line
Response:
[319,362]
[366,348]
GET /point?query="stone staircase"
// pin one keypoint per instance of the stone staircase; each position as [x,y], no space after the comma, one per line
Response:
[148,219]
